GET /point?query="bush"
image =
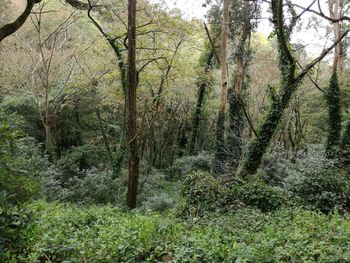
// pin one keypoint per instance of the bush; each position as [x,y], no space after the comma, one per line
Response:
[188,164]
[13,223]
[77,159]
[159,203]
[321,189]
[93,186]
[155,192]
[202,193]
[21,163]
[259,195]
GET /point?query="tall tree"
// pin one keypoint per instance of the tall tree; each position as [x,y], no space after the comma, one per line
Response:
[333,93]
[290,81]
[133,164]
[240,29]
[218,165]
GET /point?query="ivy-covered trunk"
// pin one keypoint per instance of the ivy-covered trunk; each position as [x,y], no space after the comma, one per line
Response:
[235,100]
[289,84]
[334,117]
[200,100]
[220,154]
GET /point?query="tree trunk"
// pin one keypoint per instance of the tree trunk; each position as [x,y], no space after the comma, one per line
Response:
[219,160]
[235,100]
[289,84]
[334,117]
[199,106]
[333,93]
[133,164]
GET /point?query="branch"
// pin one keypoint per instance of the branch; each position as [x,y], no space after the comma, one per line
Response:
[321,56]
[321,14]
[211,43]
[11,28]
[311,79]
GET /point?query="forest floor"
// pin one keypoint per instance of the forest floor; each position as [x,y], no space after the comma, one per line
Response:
[70,233]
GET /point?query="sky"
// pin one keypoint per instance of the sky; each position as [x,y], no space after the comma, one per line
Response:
[189,8]
[310,38]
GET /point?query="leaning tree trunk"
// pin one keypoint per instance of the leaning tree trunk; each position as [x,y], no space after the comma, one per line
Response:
[289,84]
[219,160]
[133,164]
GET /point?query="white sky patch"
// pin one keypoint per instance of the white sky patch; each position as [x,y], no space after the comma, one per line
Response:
[314,40]
[189,8]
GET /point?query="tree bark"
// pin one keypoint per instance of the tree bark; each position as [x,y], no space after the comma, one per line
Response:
[218,165]
[333,93]
[289,84]
[199,106]
[133,164]
[11,28]
[235,100]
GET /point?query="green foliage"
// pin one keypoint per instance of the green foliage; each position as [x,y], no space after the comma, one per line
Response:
[259,195]
[188,164]
[92,186]
[77,159]
[21,163]
[334,117]
[324,189]
[106,234]
[156,193]
[159,203]
[201,193]
[13,222]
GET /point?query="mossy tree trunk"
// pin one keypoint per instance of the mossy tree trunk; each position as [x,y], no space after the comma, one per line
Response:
[333,93]
[220,154]
[334,117]
[199,106]
[290,81]
[235,100]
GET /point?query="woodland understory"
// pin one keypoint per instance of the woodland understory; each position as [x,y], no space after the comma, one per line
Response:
[129,133]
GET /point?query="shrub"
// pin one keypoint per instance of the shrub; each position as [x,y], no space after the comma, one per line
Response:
[13,223]
[77,159]
[201,193]
[188,164]
[259,195]
[21,163]
[159,203]
[93,186]
[321,189]
[62,233]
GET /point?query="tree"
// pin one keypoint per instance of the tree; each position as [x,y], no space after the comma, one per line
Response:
[333,93]
[133,164]
[290,81]
[220,153]
[240,29]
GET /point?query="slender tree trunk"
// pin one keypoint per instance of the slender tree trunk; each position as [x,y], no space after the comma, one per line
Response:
[199,106]
[133,165]
[218,165]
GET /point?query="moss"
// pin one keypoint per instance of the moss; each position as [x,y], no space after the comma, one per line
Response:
[334,117]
